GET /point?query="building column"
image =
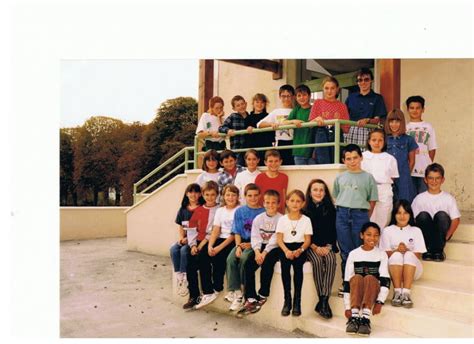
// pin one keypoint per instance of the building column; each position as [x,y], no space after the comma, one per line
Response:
[390,82]
[206,84]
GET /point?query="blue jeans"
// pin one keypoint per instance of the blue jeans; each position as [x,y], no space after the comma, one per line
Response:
[419,184]
[301,160]
[179,257]
[324,155]
[348,224]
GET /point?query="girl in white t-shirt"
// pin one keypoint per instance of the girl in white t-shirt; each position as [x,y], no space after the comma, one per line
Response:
[404,245]
[221,241]
[209,124]
[383,167]
[247,176]
[210,167]
[294,232]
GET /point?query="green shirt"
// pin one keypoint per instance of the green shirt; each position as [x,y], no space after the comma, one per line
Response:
[301,135]
[355,190]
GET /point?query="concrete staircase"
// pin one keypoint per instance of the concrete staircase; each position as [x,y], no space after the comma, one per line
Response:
[443,299]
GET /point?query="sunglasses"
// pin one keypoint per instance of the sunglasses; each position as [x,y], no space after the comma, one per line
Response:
[363,79]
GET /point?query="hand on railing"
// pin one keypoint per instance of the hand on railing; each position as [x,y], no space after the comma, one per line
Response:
[319,120]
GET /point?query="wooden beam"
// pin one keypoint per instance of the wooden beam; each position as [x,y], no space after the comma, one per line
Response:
[390,82]
[206,84]
[273,66]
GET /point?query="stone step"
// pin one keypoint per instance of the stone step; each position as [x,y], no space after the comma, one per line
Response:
[465,232]
[450,270]
[418,321]
[460,250]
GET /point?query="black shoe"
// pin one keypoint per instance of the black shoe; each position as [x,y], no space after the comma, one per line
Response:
[439,257]
[364,327]
[296,307]
[352,325]
[285,311]
[325,311]
[317,309]
[427,256]
[193,301]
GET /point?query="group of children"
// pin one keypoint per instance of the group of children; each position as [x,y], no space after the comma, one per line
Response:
[388,213]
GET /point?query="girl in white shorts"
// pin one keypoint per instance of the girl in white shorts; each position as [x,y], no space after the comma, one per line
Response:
[404,245]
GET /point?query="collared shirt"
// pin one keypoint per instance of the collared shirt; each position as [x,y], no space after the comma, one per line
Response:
[365,106]
[226,178]
[235,122]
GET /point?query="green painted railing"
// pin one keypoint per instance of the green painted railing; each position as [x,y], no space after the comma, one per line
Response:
[185,151]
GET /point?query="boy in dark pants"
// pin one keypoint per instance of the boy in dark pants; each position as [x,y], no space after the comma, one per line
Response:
[436,213]
[266,253]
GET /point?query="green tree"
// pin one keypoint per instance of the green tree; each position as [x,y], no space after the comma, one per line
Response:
[67,187]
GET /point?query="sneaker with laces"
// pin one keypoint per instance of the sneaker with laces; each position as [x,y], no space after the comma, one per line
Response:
[237,303]
[397,299]
[364,327]
[230,296]
[191,303]
[205,300]
[183,288]
[406,301]
[250,307]
[352,325]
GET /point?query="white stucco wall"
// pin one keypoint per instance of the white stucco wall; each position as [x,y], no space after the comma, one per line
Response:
[447,86]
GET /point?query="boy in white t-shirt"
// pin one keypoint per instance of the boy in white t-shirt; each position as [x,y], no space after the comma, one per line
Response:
[424,136]
[275,119]
[436,213]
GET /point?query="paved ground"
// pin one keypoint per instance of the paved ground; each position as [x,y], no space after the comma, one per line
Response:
[107,291]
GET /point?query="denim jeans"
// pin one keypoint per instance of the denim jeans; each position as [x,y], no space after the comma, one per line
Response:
[434,230]
[235,268]
[301,160]
[325,155]
[179,257]
[348,224]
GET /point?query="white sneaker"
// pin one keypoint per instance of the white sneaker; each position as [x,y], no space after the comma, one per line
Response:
[183,289]
[230,297]
[205,300]
[237,304]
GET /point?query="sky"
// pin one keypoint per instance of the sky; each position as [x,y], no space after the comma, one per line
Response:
[130,90]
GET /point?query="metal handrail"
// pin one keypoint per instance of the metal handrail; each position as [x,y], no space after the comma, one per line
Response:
[337,144]
[187,161]
[185,151]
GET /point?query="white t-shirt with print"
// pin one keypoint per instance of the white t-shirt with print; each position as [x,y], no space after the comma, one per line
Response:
[412,237]
[382,166]
[294,230]
[432,203]
[209,122]
[425,137]
[224,218]
[278,116]
[242,179]
[205,177]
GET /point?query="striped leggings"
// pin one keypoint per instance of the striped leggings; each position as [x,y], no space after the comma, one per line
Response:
[324,269]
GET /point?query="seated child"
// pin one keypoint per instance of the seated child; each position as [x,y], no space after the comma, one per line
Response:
[436,213]
[202,220]
[179,251]
[266,253]
[242,251]
[404,245]
[210,167]
[209,123]
[424,136]
[366,281]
